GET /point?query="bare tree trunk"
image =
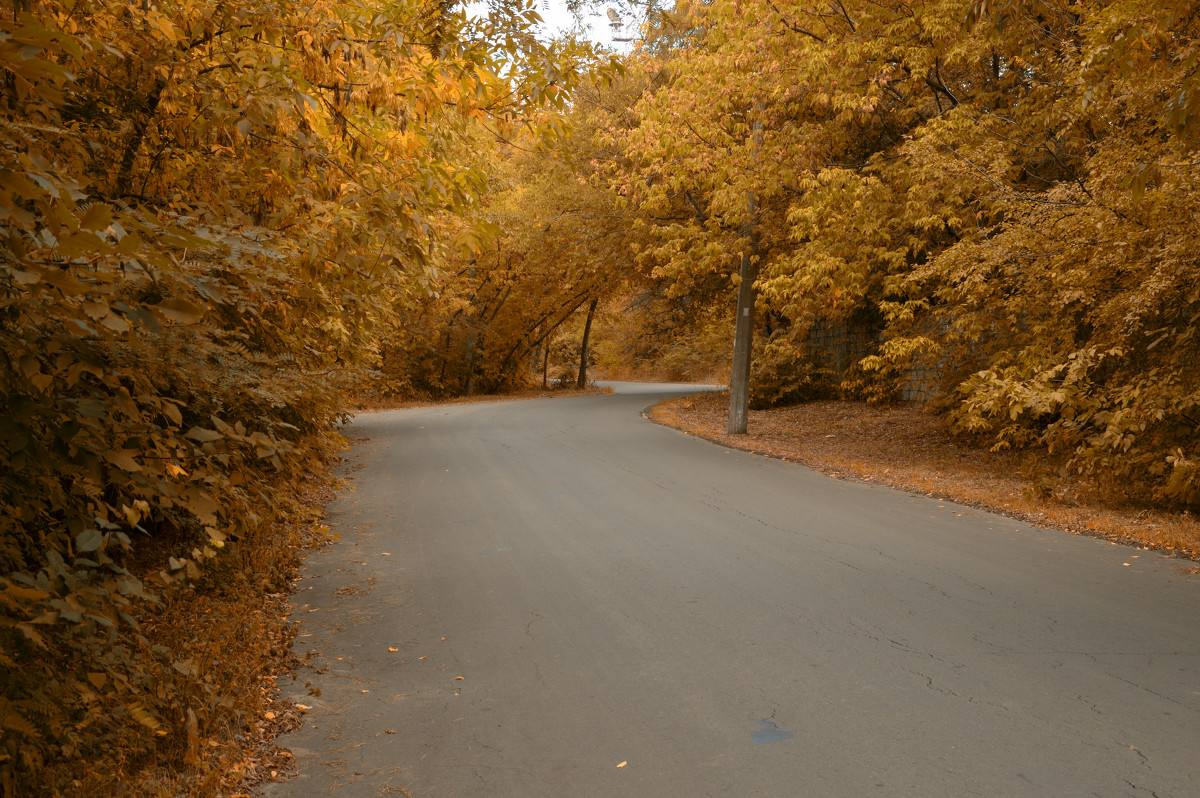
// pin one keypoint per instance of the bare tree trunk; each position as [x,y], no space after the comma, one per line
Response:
[473,332]
[743,330]
[743,335]
[581,382]
[469,387]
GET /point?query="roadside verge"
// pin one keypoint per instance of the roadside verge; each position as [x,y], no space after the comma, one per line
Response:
[909,449]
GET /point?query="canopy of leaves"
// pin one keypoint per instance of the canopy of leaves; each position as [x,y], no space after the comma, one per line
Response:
[1000,194]
[545,243]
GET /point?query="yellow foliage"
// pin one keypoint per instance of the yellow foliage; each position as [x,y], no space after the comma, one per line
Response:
[210,213]
[1008,194]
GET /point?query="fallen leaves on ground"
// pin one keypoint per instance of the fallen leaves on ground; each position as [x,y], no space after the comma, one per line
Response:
[914,450]
[367,404]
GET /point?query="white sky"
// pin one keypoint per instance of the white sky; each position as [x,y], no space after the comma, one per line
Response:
[556,19]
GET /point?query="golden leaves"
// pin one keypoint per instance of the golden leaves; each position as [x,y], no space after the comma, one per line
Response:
[124,459]
[97,217]
[179,310]
[963,225]
[190,293]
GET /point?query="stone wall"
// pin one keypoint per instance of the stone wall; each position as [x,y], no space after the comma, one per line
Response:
[839,346]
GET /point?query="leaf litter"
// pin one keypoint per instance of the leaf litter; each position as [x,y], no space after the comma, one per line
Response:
[911,449]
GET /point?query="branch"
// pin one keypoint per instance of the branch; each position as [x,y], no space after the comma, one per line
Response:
[938,86]
[841,7]
[697,135]
[215,67]
[578,300]
[699,213]
[136,136]
[1008,191]
[207,38]
[793,26]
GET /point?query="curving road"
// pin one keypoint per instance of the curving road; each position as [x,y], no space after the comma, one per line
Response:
[582,604]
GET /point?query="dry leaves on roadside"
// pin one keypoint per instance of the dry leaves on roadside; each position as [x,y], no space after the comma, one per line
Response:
[908,448]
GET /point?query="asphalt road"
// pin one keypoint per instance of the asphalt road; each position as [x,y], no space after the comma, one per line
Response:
[558,598]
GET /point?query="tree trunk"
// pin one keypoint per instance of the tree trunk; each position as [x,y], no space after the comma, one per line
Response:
[472,336]
[136,136]
[743,329]
[473,329]
[743,338]
[583,349]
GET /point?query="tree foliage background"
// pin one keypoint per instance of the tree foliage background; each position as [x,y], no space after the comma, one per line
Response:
[999,194]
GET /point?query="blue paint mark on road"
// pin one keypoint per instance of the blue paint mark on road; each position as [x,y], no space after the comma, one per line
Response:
[495,551]
[770,733]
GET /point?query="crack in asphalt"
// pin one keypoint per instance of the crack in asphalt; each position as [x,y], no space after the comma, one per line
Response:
[1146,790]
[1142,687]
[537,616]
[970,699]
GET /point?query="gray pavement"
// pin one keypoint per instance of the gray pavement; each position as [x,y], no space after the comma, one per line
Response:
[558,598]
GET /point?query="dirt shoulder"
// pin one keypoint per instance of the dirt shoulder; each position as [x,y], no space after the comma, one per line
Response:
[909,449]
[371,405]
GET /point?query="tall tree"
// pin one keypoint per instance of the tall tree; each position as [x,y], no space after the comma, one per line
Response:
[999,198]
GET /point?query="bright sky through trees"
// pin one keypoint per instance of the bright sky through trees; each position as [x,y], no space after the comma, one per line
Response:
[557,20]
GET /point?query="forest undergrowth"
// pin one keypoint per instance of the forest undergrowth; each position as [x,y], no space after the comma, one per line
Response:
[234,627]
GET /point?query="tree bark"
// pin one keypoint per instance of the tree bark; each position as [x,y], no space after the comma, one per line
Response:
[743,338]
[472,337]
[473,330]
[136,136]
[743,329]
[581,382]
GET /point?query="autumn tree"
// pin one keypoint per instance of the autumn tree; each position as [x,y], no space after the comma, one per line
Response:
[997,195]
[553,245]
